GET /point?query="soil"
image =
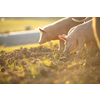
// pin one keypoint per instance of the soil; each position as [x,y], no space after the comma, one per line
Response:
[43,65]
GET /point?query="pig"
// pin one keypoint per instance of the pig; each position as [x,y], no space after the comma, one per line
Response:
[78,36]
[96,29]
[51,31]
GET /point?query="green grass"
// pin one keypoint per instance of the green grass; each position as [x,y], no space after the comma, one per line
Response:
[19,25]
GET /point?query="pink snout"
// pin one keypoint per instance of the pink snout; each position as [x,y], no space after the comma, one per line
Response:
[39,43]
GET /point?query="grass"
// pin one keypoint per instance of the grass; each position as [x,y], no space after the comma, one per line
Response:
[44,64]
[19,25]
[28,46]
[10,49]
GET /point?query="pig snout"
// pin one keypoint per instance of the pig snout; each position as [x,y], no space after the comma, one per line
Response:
[65,51]
[39,43]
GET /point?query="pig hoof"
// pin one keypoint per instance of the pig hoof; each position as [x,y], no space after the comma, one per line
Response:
[78,53]
[75,52]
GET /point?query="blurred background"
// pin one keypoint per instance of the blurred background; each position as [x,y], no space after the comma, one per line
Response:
[12,24]
[16,31]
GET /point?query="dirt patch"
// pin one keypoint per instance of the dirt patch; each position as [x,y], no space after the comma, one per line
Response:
[42,65]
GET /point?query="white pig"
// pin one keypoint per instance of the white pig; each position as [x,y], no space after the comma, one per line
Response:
[51,32]
[78,36]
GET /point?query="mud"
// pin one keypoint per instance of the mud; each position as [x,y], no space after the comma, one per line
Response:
[43,65]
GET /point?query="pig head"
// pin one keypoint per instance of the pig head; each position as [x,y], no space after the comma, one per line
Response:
[45,35]
[70,43]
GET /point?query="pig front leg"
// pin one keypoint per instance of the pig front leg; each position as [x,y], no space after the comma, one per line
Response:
[61,45]
[81,42]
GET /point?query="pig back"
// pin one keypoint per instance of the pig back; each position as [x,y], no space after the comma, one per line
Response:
[63,26]
[87,30]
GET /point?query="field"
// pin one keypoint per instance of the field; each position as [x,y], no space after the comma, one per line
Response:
[19,25]
[44,64]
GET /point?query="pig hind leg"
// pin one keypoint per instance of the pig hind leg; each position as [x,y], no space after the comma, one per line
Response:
[81,42]
[91,46]
[61,44]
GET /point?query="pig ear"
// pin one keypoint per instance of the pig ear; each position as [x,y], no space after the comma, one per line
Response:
[62,37]
[41,30]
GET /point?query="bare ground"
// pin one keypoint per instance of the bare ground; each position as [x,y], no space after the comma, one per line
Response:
[43,65]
